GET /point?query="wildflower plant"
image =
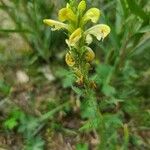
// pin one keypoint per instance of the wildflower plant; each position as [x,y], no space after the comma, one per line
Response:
[75,21]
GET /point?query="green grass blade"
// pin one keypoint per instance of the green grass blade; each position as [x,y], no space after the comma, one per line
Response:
[137,10]
[14,31]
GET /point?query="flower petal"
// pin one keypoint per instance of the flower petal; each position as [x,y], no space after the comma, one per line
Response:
[55,24]
[75,36]
[92,14]
[89,39]
[100,31]
[66,14]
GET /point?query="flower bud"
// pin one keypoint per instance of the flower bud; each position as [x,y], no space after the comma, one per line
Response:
[69,59]
[93,85]
[79,80]
[89,54]
[77,72]
[92,14]
[82,6]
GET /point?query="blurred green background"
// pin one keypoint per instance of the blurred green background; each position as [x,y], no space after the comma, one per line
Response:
[35,83]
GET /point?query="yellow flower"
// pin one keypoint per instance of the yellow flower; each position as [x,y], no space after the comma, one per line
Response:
[92,14]
[100,31]
[89,54]
[56,25]
[75,37]
[69,59]
[66,14]
[82,6]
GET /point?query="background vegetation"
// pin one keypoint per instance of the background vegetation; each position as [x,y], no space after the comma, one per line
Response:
[40,106]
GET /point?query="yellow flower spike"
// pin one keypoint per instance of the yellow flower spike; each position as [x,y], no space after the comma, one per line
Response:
[75,37]
[66,14]
[82,6]
[69,59]
[92,14]
[89,54]
[56,25]
[100,31]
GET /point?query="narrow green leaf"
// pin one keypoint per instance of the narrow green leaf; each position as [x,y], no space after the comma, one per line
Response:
[124,7]
[103,72]
[142,46]
[14,31]
[119,17]
[145,29]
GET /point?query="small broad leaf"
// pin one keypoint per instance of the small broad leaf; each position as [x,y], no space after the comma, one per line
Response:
[112,121]
[108,90]
[4,88]
[82,146]
[35,144]
[67,77]
[10,123]
[89,106]
[77,90]
[93,123]
[88,109]
[114,101]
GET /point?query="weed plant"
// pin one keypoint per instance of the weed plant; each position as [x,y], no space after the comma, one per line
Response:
[108,73]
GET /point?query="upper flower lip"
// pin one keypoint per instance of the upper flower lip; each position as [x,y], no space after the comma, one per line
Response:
[75,37]
[82,6]
[66,14]
[92,14]
[55,24]
[100,31]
